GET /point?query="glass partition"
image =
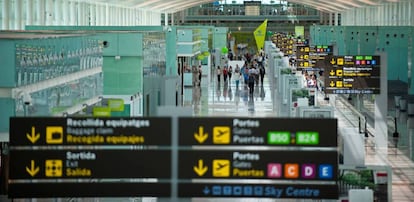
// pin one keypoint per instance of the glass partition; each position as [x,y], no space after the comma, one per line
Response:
[154,51]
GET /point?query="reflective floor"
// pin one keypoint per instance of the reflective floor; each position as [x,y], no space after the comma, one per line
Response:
[225,99]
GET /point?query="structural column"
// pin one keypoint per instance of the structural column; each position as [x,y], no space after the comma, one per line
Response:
[17,21]
[165,19]
[65,13]
[336,19]
[40,12]
[48,12]
[5,15]
[28,9]
[58,13]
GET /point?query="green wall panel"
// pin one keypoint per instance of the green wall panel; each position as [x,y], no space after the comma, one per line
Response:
[130,44]
[368,40]
[123,76]
[122,44]
[220,37]
[112,39]
[171,49]
[394,41]
[7,63]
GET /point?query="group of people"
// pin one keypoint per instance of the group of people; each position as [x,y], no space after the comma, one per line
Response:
[310,80]
[250,74]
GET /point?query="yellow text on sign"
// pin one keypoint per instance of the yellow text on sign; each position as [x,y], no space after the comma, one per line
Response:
[221,135]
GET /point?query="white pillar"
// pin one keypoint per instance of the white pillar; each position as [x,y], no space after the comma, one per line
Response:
[65,13]
[336,19]
[166,19]
[18,15]
[41,12]
[124,16]
[58,12]
[48,12]
[92,14]
[28,11]
[99,15]
[81,14]
[5,15]
[106,14]
[72,13]
[410,13]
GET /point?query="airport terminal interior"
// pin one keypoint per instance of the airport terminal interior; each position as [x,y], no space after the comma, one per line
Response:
[209,100]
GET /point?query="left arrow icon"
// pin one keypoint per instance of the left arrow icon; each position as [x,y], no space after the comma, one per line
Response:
[33,170]
[33,137]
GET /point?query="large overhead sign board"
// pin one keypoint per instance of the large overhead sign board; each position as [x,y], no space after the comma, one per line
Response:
[307,56]
[352,74]
[48,155]
[260,157]
[205,157]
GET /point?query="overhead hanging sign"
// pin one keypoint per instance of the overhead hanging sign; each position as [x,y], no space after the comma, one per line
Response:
[352,74]
[88,157]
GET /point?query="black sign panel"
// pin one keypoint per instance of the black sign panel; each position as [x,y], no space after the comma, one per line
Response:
[307,56]
[247,190]
[277,165]
[89,189]
[352,74]
[58,164]
[258,131]
[89,131]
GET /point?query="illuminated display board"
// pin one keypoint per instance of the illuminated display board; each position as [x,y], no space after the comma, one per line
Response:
[307,56]
[89,131]
[275,131]
[48,155]
[284,42]
[124,157]
[352,74]
[258,149]
[286,165]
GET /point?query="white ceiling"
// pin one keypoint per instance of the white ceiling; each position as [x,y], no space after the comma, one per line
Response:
[164,6]
[172,6]
[341,5]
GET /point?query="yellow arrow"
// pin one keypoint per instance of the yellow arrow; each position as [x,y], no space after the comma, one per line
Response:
[34,136]
[332,72]
[33,170]
[200,169]
[332,84]
[333,61]
[200,136]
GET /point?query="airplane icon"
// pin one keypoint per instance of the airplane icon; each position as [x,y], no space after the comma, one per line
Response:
[221,135]
[220,166]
